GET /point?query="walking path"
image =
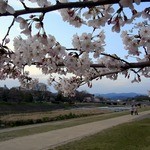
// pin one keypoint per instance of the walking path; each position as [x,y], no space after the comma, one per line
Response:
[44,141]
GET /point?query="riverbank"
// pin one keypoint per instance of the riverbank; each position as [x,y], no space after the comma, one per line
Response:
[84,110]
[20,119]
[54,138]
[127,136]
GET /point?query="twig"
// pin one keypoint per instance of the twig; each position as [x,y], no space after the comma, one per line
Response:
[8,31]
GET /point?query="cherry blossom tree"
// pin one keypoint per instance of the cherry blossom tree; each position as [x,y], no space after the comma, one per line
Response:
[87,59]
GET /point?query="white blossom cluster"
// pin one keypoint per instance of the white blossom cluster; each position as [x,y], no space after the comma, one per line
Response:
[40,3]
[32,50]
[87,43]
[98,16]
[129,3]
[78,66]
[134,42]
[27,82]
[111,62]
[70,16]
[93,17]
[5,7]
[88,59]
[68,86]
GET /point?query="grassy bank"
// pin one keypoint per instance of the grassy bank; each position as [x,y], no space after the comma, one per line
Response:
[20,119]
[29,130]
[128,136]
[19,114]
[15,108]
[55,125]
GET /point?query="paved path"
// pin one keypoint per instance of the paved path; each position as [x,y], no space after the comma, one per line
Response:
[44,141]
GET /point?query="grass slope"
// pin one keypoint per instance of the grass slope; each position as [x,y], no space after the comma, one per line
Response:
[56,125]
[28,130]
[128,136]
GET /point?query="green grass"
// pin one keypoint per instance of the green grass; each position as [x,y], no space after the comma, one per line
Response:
[128,136]
[58,125]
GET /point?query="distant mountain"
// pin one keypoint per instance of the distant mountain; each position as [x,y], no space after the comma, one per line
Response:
[116,96]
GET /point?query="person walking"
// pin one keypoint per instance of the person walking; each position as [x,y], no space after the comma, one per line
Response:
[132,110]
[135,110]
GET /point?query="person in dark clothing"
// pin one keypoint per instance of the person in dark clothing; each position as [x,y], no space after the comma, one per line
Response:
[132,110]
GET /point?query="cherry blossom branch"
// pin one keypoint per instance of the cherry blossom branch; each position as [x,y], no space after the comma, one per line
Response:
[100,75]
[60,5]
[24,5]
[115,57]
[125,67]
[127,64]
[9,28]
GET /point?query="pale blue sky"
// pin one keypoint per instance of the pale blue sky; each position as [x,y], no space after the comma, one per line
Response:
[63,33]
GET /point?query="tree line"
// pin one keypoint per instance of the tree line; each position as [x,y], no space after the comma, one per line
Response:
[17,95]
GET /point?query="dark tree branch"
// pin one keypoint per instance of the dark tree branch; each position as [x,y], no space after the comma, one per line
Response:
[59,5]
[124,67]
[26,8]
[127,65]
[117,58]
[9,28]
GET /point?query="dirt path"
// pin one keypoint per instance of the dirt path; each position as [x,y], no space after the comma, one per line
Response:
[44,141]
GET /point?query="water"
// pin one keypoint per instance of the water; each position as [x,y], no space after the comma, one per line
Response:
[113,108]
[116,109]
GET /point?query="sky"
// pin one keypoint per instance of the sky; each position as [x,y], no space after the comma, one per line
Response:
[63,33]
